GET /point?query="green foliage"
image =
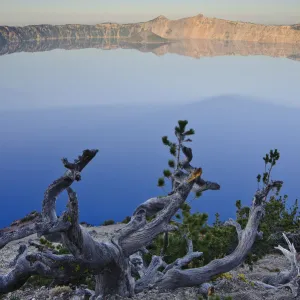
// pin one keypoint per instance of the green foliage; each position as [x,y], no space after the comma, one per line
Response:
[166,141]
[214,297]
[167,173]
[126,220]
[182,124]
[270,160]
[61,250]
[171,163]
[173,149]
[258,178]
[90,282]
[43,241]
[213,241]
[277,219]
[217,241]
[227,276]
[192,225]
[77,268]
[217,220]
[84,278]
[242,277]
[161,182]
[190,132]
[108,222]
[37,281]
[47,243]
[198,194]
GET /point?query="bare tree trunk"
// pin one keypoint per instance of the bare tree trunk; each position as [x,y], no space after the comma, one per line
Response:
[288,278]
[109,261]
[114,280]
[49,216]
[17,234]
[112,261]
[175,277]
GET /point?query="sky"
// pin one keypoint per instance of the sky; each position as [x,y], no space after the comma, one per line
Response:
[20,12]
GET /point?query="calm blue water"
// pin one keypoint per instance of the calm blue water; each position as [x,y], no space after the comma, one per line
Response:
[55,104]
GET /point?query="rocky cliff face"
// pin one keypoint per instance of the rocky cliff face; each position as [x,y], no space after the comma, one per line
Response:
[191,48]
[198,27]
[201,27]
[50,32]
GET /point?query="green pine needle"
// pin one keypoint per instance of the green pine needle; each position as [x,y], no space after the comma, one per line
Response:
[167,173]
[178,130]
[171,163]
[161,182]
[165,141]
[173,149]
[198,194]
[258,178]
[182,124]
[190,132]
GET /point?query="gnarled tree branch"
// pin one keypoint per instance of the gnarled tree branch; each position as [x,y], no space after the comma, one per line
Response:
[286,277]
[181,262]
[237,226]
[49,223]
[73,173]
[184,278]
[17,234]
[110,261]
[45,264]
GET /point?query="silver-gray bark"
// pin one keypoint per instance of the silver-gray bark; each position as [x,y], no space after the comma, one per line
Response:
[114,262]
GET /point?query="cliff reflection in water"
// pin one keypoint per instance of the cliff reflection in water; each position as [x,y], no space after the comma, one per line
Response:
[191,48]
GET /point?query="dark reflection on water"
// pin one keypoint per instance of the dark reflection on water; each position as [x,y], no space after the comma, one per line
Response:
[191,48]
[232,135]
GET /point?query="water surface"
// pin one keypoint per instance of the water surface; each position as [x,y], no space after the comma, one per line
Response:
[55,104]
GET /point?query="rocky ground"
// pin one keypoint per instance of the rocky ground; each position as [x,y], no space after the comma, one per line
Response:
[237,283]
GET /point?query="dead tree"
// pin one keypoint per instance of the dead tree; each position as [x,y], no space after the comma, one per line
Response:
[114,262]
[287,278]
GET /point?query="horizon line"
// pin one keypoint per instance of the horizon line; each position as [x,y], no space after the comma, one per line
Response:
[150,20]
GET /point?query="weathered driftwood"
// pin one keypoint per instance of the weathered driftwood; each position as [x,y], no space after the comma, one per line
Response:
[18,234]
[113,262]
[293,286]
[289,278]
[50,223]
[278,238]
[191,277]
